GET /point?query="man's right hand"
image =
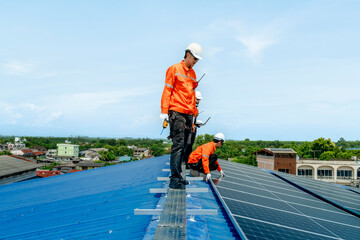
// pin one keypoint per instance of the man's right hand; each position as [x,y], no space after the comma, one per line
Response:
[164,116]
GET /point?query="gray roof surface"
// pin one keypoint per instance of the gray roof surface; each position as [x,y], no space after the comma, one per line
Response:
[281,150]
[10,165]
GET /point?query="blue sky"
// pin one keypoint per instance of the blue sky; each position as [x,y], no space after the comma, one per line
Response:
[275,70]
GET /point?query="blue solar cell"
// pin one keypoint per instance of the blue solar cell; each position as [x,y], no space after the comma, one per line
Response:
[332,192]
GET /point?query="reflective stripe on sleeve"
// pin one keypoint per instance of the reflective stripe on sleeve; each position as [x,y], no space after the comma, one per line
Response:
[193,79]
[205,155]
[168,85]
[178,74]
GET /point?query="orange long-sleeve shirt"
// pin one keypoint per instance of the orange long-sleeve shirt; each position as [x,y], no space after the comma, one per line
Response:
[179,90]
[203,152]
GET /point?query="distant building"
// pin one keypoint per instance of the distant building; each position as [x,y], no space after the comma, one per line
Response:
[334,171]
[4,147]
[51,152]
[69,150]
[28,153]
[39,148]
[63,159]
[98,149]
[278,159]
[91,154]
[86,165]
[16,146]
[15,169]
[125,159]
[17,152]
[140,152]
[345,172]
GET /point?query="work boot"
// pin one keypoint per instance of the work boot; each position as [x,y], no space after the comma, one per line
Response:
[176,183]
[183,181]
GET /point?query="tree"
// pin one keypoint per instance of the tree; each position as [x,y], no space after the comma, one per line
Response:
[121,142]
[107,155]
[327,155]
[5,153]
[125,151]
[305,150]
[202,139]
[157,150]
[321,145]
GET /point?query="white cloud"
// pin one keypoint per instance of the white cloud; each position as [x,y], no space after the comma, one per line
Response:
[46,118]
[28,114]
[256,45]
[254,38]
[8,114]
[32,106]
[28,69]
[18,68]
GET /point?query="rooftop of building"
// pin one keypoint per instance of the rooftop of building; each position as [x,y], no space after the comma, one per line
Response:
[11,165]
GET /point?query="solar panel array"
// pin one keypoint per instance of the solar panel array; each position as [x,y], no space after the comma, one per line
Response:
[332,192]
[264,206]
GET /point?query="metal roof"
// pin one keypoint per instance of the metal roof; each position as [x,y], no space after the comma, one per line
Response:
[281,150]
[10,165]
[92,204]
[276,150]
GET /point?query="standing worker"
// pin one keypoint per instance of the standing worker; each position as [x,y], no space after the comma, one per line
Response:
[203,159]
[178,105]
[198,123]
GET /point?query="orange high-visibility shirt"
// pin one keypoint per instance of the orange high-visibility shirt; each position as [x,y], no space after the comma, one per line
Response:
[203,152]
[179,90]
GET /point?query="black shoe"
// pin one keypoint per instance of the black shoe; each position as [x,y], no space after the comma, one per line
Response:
[175,183]
[178,185]
[187,166]
[183,181]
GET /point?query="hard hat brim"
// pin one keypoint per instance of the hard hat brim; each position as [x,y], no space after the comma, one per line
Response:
[197,56]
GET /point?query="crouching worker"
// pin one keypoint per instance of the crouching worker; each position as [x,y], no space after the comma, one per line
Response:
[203,160]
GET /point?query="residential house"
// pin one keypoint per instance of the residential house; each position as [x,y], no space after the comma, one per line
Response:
[278,159]
[86,165]
[69,150]
[140,152]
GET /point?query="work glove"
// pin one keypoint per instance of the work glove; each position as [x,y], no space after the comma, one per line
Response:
[222,173]
[208,176]
[164,116]
[199,123]
[195,84]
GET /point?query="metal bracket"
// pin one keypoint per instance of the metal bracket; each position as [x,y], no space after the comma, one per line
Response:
[191,212]
[188,190]
[187,178]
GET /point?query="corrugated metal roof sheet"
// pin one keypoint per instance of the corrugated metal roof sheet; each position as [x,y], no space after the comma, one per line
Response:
[92,204]
[10,165]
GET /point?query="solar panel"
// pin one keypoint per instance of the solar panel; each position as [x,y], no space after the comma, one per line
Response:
[266,207]
[341,196]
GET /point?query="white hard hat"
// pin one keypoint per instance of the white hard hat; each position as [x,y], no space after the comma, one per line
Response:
[195,50]
[198,95]
[219,137]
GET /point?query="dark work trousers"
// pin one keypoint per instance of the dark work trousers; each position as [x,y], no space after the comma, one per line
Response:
[198,166]
[180,126]
[188,147]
